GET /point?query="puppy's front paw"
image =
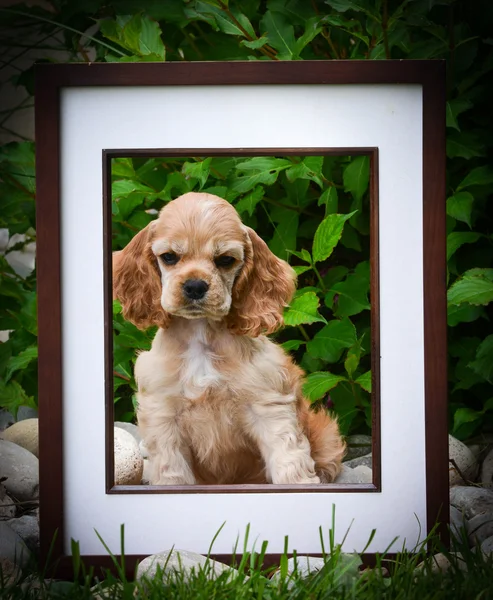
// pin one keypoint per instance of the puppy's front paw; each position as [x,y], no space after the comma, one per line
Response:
[295,477]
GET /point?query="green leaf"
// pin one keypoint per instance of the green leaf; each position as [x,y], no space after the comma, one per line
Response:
[310,168]
[474,289]
[345,397]
[250,201]
[21,361]
[365,381]
[459,206]
[263,169]
[150,42]
[127,204]
[292,344]
[303,310]
[454,108]
[464,145]
[299,270]
[122,167]
[463,313]
[483,365]
[330,341]
[329,198]
[353,357]
[124,187]
[312,29]
[356,177]
[319,383]
[349,297]
[255,44]
[456,239]
[198,170]
[478,176]
[327,235]
[13,396]
[465,415]
[285,234]
[280,33]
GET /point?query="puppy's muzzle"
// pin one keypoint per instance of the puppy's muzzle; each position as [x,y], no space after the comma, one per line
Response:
[195,289]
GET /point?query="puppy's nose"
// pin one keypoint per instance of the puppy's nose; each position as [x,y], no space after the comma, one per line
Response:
[195,289]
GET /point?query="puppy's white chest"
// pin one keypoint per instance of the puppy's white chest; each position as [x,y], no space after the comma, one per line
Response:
[198,372]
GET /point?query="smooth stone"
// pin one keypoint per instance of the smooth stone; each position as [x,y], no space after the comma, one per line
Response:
[465,461]
[360,461]
[440,562]
[457,524]
[357,445]
[12,547]
[472,500]
[487,545]
[7,505]
[303,565]
[9,572]
[359,474]
[27,527]
[24,412]
[21,469]
[487,470]
[182,561]
[131,428]
[129,463]
[24,433]
[480,528]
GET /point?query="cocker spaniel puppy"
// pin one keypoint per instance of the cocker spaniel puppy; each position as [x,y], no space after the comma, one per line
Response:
[218,402]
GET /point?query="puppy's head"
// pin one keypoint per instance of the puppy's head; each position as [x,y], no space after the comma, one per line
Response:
[198,260]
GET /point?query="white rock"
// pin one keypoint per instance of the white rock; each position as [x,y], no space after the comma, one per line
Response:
[480,528]
[25,434]
[487,471]
[7,505]
[131,428]
[360,474]
[303,565]
[128,461]
[472,500]
[27,527]
[12,547]
[357,445]
[487,545]
[181,561]
[465,461]
[21,469]
[457,524]
[360,461]
[440,562]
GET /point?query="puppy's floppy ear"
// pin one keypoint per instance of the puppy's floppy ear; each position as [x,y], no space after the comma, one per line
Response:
[137,282]
[264,287]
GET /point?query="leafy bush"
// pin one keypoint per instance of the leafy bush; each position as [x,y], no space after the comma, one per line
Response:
[131,30]
[302,206]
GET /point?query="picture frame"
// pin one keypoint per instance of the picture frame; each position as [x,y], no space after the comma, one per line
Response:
[392,110]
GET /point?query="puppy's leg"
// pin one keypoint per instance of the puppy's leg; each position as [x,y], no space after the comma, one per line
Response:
[273,424]
[169,457]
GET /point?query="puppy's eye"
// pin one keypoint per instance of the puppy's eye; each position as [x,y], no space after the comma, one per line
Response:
[224,261]
[169,258]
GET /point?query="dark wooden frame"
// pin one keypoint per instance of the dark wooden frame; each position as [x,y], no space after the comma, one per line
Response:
[50,79]
[375,486]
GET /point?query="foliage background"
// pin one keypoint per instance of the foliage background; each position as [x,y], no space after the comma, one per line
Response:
[131,30]
[302,207]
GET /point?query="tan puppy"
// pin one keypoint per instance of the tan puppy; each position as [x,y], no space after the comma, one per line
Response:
[218,402]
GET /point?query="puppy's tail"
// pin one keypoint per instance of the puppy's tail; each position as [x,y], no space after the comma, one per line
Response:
[327,446]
